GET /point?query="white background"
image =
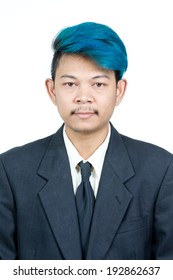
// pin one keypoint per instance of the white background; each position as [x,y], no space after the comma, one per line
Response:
[26,32]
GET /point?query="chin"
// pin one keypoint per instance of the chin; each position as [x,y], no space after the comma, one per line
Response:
[86,129]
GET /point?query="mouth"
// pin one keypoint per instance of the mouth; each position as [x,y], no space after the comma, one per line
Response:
[84,113]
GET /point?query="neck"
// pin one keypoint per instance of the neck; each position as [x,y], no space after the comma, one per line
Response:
[87,143]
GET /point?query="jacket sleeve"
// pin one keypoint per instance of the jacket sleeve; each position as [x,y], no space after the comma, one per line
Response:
[8,250]
[163,219]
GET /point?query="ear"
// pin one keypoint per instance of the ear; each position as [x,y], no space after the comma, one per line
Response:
[50,86]
[121,88]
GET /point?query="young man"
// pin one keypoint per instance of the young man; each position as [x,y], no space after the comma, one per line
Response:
[86,192]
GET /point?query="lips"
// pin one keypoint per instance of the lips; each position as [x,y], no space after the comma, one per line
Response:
[84,115]
[84,112]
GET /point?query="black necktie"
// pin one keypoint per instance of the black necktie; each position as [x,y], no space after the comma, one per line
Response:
[85,205]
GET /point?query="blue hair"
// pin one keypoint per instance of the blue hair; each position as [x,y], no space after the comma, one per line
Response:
[95,41]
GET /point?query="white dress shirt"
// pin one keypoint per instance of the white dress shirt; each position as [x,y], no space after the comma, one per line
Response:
[96,160]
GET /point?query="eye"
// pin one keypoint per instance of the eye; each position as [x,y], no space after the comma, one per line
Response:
[99,85]
[70,84]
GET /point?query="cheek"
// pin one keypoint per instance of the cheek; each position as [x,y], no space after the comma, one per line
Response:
[108,105]
[107,101]
[63,106]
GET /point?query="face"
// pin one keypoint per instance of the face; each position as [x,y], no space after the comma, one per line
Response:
[85,94]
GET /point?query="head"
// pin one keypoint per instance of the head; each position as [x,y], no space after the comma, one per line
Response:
[87,68]
[95,41]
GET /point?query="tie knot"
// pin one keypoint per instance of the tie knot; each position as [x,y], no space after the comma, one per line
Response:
[85,170]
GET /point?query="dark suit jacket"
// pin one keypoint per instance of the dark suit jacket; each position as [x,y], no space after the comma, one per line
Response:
[133,217]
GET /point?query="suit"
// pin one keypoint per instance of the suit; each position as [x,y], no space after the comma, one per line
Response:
[133,216]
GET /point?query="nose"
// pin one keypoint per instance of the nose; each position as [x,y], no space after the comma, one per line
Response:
[83,95]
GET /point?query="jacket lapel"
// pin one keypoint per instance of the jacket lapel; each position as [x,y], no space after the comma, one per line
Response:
[57,198]
[113,198]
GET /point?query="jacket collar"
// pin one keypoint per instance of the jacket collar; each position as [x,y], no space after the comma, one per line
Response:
[113,197]
[57,197]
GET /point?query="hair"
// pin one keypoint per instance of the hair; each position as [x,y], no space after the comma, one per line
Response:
[95,41]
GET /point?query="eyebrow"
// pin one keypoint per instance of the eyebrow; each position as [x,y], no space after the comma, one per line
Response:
[95,77]
[101,76]
[68,76]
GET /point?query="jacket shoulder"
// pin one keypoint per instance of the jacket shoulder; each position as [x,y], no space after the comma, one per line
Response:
[26,152]
[146,152]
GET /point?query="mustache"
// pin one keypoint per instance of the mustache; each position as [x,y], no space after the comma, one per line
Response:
[84,109]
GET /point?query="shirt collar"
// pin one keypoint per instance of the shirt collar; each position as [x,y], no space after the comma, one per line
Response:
[96,159]
[73,155]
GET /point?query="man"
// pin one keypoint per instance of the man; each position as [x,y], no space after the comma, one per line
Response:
[86,192]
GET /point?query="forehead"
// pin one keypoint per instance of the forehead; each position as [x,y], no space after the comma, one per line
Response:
[80,64]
